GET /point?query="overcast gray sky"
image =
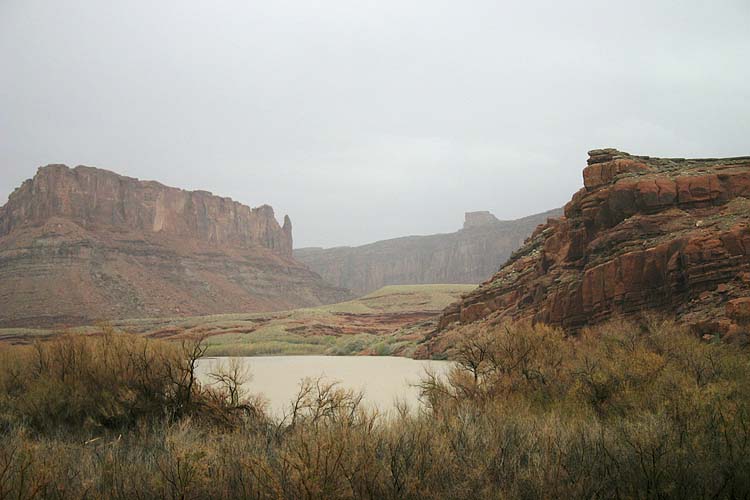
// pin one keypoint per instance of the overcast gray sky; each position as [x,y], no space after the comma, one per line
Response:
[365,120]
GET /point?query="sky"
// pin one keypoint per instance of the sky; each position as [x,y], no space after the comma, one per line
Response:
[366,120]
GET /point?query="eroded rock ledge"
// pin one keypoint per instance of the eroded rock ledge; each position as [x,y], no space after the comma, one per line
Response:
[643,234]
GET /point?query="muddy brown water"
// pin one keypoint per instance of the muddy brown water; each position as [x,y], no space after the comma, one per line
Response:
[384,380]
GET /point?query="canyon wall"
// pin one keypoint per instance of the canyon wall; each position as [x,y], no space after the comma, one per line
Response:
[85,244]
[94,198]
[470,255]
[669,235]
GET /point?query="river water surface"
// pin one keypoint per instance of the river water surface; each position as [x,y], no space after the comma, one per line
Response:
[384,380]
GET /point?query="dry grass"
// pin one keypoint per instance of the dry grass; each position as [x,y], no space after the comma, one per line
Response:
[624,411]
[327,329]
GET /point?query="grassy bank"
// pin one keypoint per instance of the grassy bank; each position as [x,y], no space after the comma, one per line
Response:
[367,325]
[623,411]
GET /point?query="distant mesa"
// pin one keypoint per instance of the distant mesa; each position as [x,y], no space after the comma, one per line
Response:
[479,219]
[665,235]
[468,256]
[84,244]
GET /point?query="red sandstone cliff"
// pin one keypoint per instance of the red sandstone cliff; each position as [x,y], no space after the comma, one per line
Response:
[85,244]
[98,199]
[643,234]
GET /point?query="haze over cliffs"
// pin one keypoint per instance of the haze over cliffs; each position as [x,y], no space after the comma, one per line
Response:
[643,234]
[84,244]
[470,255]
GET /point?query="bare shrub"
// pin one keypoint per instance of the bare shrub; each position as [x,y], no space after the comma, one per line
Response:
[627,410]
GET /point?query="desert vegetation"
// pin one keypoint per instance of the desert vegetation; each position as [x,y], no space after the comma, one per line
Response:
[384,322]
[626,410]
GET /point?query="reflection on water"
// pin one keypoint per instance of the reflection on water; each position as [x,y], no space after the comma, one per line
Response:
[384,380]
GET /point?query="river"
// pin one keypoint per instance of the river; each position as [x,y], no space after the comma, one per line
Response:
[384,380]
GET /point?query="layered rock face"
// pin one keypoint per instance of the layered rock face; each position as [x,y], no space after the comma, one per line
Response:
[644,234]
[470,255]
[85,244]
[96,199]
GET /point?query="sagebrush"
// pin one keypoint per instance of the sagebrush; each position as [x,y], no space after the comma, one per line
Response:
[628,410]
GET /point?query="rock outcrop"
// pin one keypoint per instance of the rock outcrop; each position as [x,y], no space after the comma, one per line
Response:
[469,256]
[85,244]
[643,234]
[479,219]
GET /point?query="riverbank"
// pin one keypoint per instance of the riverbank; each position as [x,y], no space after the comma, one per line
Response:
[624,411]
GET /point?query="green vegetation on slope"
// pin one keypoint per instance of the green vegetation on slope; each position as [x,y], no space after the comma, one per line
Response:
[623,411]
[361,326]
[403,298]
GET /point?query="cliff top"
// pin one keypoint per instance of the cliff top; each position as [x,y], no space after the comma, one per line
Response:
[60,168]
[608,154]
[478,219]
[102,200]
